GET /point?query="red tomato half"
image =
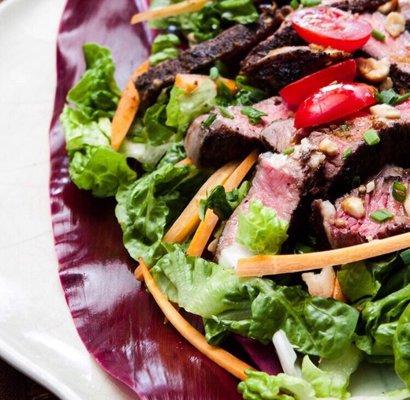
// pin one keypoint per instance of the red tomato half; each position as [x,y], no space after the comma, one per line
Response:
[334,102]
[300,90]
[329,26]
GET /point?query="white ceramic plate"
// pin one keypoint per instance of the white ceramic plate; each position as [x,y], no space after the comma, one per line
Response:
[37,335]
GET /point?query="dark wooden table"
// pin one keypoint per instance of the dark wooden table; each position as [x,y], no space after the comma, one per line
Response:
[16,386]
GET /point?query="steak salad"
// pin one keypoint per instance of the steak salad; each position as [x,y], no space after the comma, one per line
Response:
[259,160]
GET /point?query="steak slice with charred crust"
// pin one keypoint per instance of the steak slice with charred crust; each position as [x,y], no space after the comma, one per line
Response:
[287,64]
[227,139]
[228,45]
[349,221]
[281,183]
[355,6]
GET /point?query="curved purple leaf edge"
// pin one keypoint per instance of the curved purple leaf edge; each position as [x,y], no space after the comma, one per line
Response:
[115,317]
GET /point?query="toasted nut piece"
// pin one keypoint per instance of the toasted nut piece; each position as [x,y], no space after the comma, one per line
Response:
[328,147]
[388,7]
[353,206]
[370,187]
[373,70]
[362,189]
[212,246]
[385,111]
[339,223]
[386,84]
[316,159]
[406,204]
[395,24]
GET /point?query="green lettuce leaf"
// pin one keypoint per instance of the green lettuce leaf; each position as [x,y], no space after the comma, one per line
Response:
[401,347]
[164,47]
[261,386]
[223,203]
[184,108]
[149,205]
[96,94]
[255,307]
[331,377]
[260,230]
[174,154]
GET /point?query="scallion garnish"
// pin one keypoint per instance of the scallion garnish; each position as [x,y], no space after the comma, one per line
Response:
[399,191]
[371,137]
[381,215]
[347,153]
[254,115]
[209,120]
[225,112]
[288,151]
[310,3]
[391,97]
[214,73]
[294,4]
[380,36]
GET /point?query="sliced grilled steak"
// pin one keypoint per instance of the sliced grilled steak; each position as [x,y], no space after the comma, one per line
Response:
[404,7]
[228,45]
[287,64]
[279,135]
[350,220]
[396,50]
[227,139]
[354,157]
[355,6]
[280,183]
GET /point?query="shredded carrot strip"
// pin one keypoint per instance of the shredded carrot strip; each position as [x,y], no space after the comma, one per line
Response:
[189,219]
[337,291]
[207,226]
[221,357]
[127,108]
[282,264]
[172,10]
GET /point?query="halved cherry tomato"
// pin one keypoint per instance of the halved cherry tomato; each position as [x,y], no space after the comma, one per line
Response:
[300,90]
[329,26]
[334,102]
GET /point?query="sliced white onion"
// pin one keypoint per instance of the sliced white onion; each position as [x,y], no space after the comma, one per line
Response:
[287,356]
[230,255]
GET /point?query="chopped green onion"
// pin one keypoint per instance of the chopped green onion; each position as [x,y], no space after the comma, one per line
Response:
[371,137]
[225,112]
[254,115]
[214,73]
[310,3]
[288,151]
[391,97]
[347,153]
[209,120]
[399,191]
[381,215]
[294,4]
[405,256]
[380,36]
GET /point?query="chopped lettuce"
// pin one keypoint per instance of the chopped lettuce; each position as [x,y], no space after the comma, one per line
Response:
[164,47]
[223,203]
[185,107]
[261,386]
[208,22]
[255,308]
[378,324]
[401,347]
[94,165]
[175,153]
[331,377]
[147,207]
[260,230]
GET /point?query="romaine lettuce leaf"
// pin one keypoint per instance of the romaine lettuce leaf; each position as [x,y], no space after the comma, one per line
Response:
[184,108]
[147,207]
[260,230]
[261,386]
[164,47]
[255,307]
[401,347]
[331,377]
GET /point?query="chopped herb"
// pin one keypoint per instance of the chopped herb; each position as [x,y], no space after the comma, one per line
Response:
[405,256]
[381,215]
[310,3]
[288,151]
[294,4]
[209,120]
[371,137]
[254,115]
[380,36]
[347,153]
[225,112]
[391,97]
[344,127]
[214,73]
[399,191]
